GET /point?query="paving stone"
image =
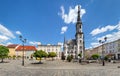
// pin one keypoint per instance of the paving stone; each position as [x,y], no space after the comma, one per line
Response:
[57,68]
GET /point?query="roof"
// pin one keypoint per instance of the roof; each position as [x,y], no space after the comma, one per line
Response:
[49,45]
[26,48]
[12,45]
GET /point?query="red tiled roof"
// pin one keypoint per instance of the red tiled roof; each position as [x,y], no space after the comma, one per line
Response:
[12,45]
[26,48]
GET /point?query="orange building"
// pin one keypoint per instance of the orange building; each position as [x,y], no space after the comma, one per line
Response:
[17,50]
[28,51]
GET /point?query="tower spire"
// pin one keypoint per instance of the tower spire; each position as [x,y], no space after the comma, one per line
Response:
[78,18]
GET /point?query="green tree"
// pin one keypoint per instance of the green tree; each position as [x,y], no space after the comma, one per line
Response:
[52,54]
[95,56]
[40,54]
[3,52]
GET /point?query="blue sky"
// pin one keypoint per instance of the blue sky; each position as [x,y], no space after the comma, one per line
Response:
[47,21]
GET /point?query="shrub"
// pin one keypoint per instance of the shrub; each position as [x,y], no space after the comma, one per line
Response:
[18,56]
[9,57]
[106,58]
[52,54]
[80,55]
[95,56]
[14,56]
[69,58]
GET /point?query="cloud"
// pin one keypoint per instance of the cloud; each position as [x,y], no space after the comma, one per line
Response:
[105,29]
[95,44]
[18,33]
[4,31]
[3,38]
[110,36]
[5,34]
[71,17]
[60,43]
[64,29]
[34,43]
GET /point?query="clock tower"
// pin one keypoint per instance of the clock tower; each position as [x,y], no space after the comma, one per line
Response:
[79,36]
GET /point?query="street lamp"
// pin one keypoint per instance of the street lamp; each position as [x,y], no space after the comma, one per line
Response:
[102,42]
[23,41]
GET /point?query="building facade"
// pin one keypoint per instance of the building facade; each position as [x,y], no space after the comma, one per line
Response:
[28,51]
[75,46]
[112,49]
[12,48]
[17,50]
[51,48]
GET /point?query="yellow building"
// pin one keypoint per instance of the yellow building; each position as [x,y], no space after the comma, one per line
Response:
[12,49]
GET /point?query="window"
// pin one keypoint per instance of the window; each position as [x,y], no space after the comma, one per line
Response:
[80,47]
[80,41]
[48,50]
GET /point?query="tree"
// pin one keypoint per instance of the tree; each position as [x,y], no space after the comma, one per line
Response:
[40,54]
[3,52]
[52,54]
[95,56]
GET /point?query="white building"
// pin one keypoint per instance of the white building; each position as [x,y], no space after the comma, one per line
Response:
[51,48]
[118,49]
[28,51]
[111,48]
[75,46]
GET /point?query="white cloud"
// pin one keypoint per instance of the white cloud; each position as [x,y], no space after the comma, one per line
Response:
[64,29]
[3,38]
[105,29]
[60,43]
[95,44]
[34,43]
[71,17]
[4,31]
[110,36]
[5,34]
[18,32]
[118,26]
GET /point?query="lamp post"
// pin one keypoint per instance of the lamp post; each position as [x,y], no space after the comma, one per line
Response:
[102,42]
[23,41]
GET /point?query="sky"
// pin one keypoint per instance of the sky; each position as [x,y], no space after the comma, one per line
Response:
[48,21]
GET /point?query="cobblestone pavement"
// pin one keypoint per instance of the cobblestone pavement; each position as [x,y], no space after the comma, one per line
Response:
[57,68]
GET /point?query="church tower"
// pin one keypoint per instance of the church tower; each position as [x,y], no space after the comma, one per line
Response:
[79,36]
